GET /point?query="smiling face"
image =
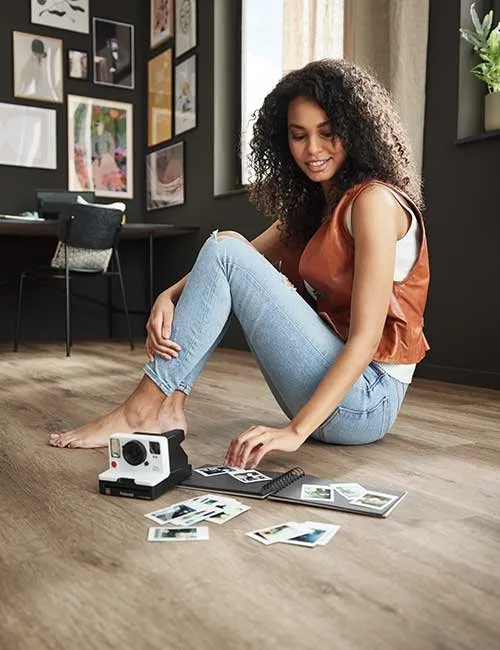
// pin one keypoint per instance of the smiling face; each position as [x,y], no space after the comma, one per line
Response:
[315,149]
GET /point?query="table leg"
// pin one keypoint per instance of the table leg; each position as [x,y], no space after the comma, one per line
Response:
[151,267]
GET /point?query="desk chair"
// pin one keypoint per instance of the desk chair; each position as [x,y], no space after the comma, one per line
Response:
[88,240]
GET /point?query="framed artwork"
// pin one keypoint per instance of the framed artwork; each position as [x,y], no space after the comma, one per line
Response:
[38,72]
[114,63]
[160,98]
[162,21]
[185,26]
[165,177]
[28,136]
[61,14]
[78,64]
[185,95]
[100,146]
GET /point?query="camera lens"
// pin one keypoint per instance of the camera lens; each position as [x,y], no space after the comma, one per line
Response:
[134,452]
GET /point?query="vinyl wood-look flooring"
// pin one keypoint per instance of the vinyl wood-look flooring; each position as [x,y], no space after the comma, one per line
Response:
[76,571]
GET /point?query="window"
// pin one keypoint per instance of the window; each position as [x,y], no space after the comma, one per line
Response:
[278,36]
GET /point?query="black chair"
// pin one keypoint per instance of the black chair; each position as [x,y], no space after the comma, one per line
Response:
[88,241]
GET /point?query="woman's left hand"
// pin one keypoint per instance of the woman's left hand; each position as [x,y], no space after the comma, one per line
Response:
[253,444]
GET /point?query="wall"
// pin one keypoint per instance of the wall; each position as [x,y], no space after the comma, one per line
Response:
[43,312]
[18,184]
[231,211]
[461,190]
[463,315]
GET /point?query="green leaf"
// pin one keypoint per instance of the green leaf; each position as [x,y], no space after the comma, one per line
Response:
[471,38]
[475,18]
[486,44]
[487,20]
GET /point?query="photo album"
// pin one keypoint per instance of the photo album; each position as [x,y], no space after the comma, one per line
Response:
[295,486]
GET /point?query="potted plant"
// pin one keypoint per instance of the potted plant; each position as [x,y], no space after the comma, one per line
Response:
[486,43]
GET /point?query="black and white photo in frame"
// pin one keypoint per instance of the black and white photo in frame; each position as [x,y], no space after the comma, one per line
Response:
[38,68]
[114,53]
[72,15]
[185,26]
[185,95]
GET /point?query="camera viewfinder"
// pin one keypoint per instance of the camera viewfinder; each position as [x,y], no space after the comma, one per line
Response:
[154,448]
[115,448]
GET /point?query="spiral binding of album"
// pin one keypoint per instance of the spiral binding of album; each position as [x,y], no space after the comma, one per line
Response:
[283,481]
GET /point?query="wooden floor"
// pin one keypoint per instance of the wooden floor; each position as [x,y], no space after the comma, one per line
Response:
[76,571]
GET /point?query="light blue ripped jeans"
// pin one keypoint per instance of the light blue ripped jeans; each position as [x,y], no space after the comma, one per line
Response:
[293,345]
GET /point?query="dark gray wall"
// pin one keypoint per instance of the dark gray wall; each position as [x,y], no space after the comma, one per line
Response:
[463,315]
[229,212]
[18,184]
[462,195]
[460,185]
[43,312]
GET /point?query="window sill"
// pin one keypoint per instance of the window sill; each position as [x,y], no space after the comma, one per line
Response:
[487,135]
[236,191]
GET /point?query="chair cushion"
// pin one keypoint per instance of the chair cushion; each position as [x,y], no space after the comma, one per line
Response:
[82,259]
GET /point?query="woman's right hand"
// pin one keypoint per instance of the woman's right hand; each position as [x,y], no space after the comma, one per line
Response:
[159,329]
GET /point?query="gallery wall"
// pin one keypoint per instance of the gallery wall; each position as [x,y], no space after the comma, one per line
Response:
[18,184]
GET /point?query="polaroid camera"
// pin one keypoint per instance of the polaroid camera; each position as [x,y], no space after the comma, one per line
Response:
[144,466]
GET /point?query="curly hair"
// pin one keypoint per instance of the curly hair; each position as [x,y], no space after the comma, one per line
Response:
[362,115]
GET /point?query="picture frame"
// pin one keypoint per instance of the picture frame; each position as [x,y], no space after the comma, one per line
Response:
[165,182]
[161,22]
[113,53]
[78,64]
[72,15]
[38,68]
[160,98]
[100,146]
[29,136]
[185,26]
[185,95]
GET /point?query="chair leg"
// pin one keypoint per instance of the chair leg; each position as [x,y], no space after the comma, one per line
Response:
[18,313]
[68,313]
[110,306]
[125,307]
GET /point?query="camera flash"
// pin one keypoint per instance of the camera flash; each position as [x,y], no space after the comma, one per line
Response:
[115,447]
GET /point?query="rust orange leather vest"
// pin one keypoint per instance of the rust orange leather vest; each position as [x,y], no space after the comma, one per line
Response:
[327,264]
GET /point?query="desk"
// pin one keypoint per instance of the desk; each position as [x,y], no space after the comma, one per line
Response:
[148,231]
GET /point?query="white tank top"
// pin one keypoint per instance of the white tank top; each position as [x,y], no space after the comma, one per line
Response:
[407,249]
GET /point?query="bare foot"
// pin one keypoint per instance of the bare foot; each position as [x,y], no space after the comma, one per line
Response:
[147,410]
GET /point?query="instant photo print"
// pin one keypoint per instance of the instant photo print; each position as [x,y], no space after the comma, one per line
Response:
[144,466]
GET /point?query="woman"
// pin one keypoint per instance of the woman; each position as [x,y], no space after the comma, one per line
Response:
[339,348]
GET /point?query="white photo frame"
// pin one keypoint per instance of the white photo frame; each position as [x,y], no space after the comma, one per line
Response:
[100,147]
[165,182]
[78,64]
[28,136]
[113,58]
[38,67]
[161,22]
[185,26]
[185,95]
[72,15]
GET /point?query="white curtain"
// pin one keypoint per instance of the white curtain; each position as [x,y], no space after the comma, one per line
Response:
[390,38]
[312,30]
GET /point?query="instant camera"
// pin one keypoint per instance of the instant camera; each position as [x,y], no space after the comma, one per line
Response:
[144,466]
